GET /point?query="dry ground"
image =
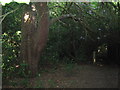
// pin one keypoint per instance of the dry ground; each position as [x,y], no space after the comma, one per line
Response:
[77,76]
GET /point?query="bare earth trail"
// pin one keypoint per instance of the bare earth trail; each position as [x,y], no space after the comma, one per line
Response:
[79,76]
[73,76]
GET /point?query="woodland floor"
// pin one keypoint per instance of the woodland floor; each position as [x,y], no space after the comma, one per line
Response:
[74,76]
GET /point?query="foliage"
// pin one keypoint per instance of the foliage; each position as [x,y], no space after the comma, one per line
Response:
[71,40]
[11,33]
[74,39]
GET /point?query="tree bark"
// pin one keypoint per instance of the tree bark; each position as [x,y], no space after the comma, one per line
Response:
[34,38]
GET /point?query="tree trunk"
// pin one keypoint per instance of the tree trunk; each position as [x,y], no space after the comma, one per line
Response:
[34,38]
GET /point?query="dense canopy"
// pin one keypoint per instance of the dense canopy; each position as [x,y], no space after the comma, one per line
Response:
[76,31]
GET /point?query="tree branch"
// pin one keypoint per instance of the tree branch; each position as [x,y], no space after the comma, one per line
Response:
[73,17]
[3,16]
[59,18]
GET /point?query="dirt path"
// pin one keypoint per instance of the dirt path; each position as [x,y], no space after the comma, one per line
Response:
[73,76]
[79,76]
